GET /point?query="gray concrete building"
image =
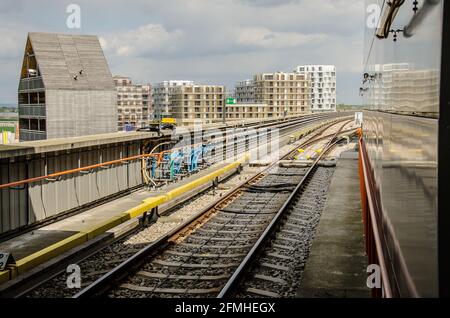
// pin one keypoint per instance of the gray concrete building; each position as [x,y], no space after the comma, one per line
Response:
[66,88]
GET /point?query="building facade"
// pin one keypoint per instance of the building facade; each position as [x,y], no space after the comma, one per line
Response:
[248,111]
[286,94]
[65,88]
[197,103]
[134,104]
[161,93]
[245,92]
[323,86]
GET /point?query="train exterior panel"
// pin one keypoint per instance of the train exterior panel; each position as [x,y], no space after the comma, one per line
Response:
[402,98]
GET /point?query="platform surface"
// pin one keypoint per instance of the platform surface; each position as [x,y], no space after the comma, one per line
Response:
[337,264]
[30,242]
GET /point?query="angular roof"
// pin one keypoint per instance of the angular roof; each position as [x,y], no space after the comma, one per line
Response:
[60,57]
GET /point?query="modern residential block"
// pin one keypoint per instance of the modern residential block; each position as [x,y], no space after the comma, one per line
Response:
[161,97]
[245,92]
[286,94]
[134,104]
[248,111]
[65,88]
[198,103]
[323,86]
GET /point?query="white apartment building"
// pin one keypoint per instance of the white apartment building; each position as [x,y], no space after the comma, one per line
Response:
[245,92]
[134,104]
[161,96]
[323,86]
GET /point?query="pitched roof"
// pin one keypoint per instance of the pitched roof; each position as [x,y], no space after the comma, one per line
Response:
[60,57]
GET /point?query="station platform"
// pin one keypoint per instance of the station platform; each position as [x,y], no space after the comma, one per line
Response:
[336,267]
[37,246]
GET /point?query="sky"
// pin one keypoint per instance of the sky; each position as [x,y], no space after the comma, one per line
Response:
[207,41]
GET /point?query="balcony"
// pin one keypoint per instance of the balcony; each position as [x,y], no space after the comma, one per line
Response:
[32,83]
[32,110]
[31,135]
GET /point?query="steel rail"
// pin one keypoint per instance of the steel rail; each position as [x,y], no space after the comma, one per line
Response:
[284,125]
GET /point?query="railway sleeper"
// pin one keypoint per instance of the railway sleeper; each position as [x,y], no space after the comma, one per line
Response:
[270,279]
[169,290]
[219,247]
[263,293]
[221,239]
[151,275]
[204,255]
[178,264]
[220,231]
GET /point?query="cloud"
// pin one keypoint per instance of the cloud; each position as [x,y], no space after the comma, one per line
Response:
[267,39]
[11,44]
[142,41]
[154,40]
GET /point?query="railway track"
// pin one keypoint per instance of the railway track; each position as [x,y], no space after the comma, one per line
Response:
[201,258]
[274,266]
[277,268]
[193,255]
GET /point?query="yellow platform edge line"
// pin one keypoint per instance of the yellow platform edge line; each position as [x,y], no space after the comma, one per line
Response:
[30,261]
[145,206]
[62,246]
[102,227]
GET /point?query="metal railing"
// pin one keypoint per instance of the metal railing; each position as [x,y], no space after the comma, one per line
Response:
[31,135]
[34,110]
[31,83]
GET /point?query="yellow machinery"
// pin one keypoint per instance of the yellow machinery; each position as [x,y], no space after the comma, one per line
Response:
[168,120]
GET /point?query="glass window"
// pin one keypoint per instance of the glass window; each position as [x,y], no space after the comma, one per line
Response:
[24,123]
[34,124]
[42,125]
